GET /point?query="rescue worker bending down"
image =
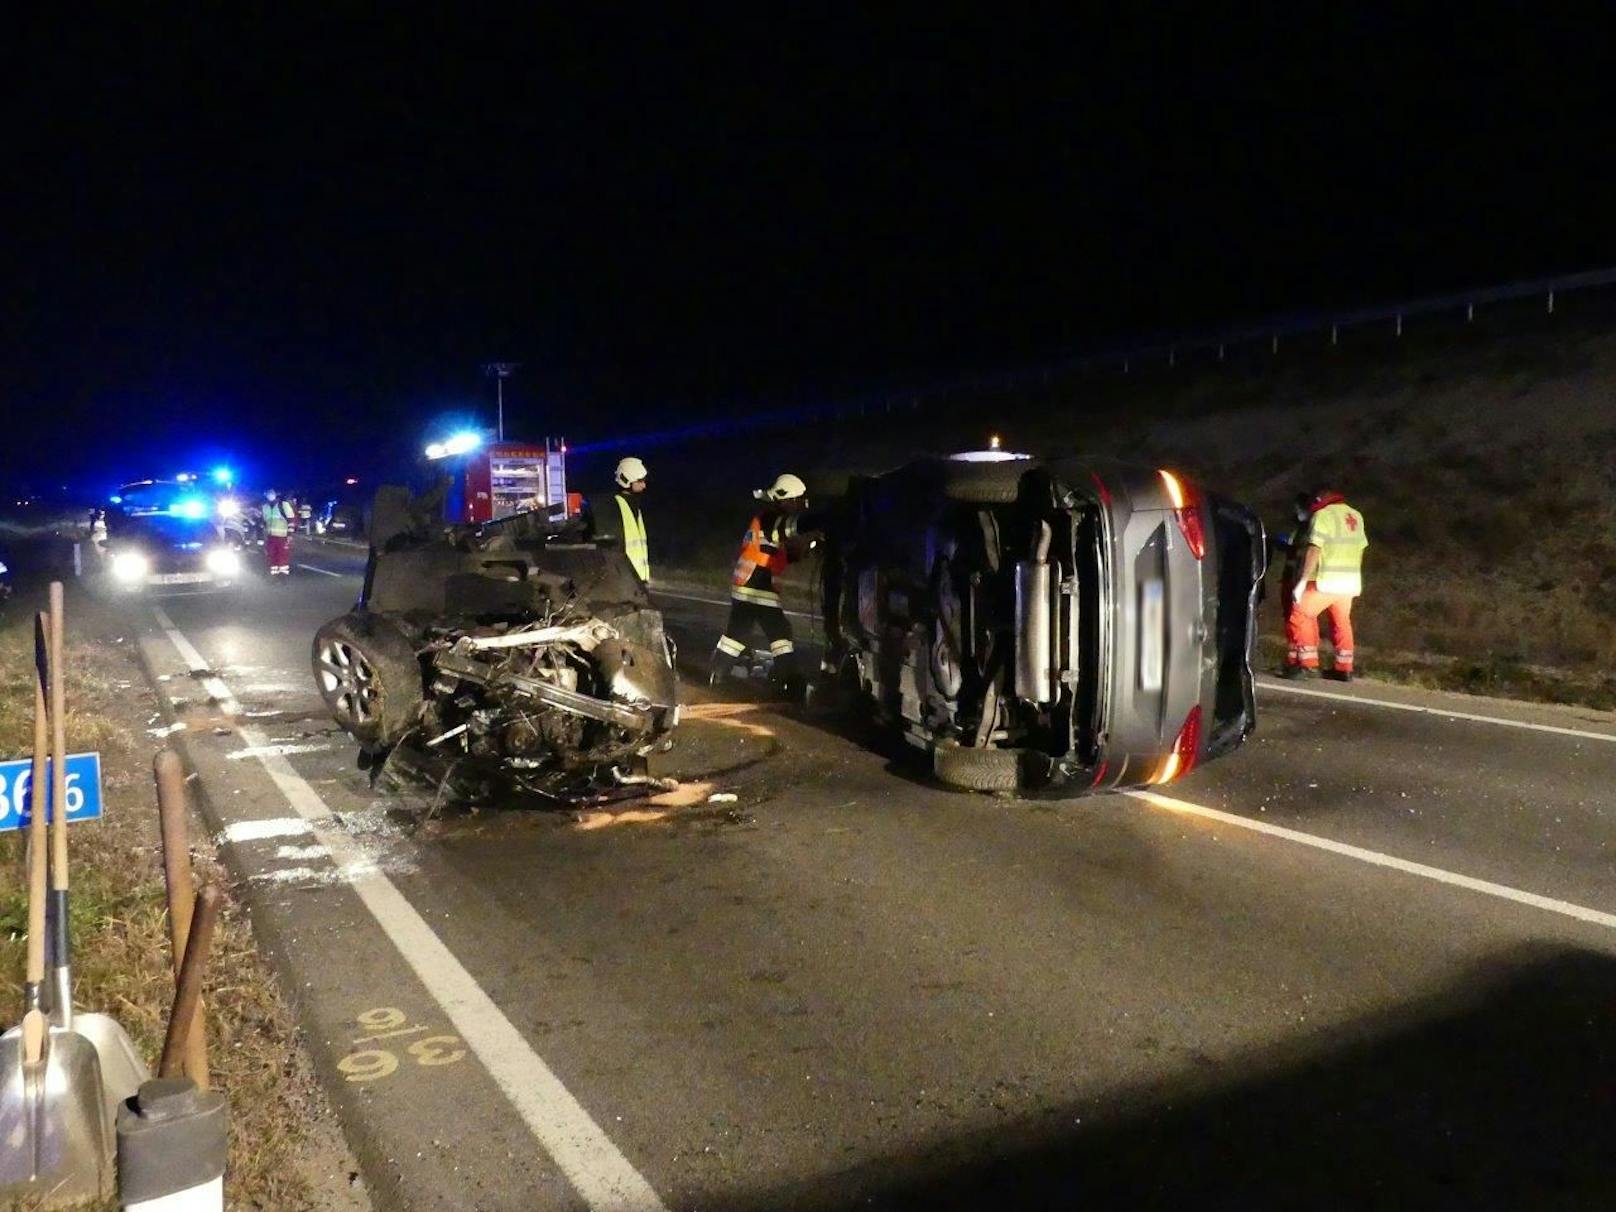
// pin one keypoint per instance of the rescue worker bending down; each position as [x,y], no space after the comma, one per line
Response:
[773,540]
[631,476]
[1331,577]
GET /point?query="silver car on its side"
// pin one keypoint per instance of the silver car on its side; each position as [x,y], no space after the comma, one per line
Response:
[1045,624]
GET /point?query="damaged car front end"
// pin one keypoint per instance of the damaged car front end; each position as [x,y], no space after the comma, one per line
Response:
[518,653]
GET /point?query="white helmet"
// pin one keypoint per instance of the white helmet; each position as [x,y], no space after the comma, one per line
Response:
[630,470]
[786,487]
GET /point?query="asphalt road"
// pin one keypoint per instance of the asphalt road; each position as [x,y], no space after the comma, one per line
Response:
[1368,959]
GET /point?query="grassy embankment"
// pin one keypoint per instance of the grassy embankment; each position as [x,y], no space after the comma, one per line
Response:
[1484,463]
[119,922]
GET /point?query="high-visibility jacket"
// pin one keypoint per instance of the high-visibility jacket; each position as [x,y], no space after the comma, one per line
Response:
[277,519]
[763,556]
[1338,531]
[635,545]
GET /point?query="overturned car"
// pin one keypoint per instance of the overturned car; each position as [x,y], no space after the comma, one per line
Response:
[1045,625]
[516,646]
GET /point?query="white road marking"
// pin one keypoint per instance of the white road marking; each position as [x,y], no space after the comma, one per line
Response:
[597,1170]
[1473,717]
[253,831]
[690,597]
[1376,858]
[325,572]
[188,653]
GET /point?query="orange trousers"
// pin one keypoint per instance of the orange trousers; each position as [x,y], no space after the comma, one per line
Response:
[1302,628]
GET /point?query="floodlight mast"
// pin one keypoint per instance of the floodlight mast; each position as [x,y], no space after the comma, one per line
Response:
[499,372]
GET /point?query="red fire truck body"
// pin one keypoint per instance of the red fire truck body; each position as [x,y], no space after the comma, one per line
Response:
[503,478]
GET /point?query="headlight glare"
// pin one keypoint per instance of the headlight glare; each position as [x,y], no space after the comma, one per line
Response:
[130,566]
[222,562]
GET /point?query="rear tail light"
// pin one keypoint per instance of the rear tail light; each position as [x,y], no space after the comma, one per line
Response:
[1186,750]
[1187,512]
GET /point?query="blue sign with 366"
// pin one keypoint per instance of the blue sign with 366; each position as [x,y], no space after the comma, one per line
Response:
[83,790]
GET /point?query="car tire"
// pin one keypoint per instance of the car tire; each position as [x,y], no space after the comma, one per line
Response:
[369,677]
[972,769]
[984,483]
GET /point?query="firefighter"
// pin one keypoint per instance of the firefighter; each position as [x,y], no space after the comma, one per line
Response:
[279,518]
[773,538]
[631,476]
[1331,577]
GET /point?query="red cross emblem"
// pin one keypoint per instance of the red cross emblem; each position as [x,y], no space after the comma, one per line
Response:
[1352,521]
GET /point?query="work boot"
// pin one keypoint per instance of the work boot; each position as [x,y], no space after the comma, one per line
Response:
[1339,675]
[1298,673]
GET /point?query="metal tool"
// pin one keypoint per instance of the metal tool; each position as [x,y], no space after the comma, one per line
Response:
[54,1121]
[122,1068]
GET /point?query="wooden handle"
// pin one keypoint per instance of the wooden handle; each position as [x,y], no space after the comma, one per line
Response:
[174,821]
[38,876]
[58,719]
[33,1037]
[188,990]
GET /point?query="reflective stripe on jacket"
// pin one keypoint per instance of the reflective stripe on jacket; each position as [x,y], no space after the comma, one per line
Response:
[635,545]
[277,519]
[763,555]
[1338,532]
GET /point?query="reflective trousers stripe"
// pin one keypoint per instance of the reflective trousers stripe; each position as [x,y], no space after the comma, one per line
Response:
[780,647]
[730,647]
[765,597]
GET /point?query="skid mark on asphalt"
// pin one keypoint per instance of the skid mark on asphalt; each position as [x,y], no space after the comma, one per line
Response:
[597,1170]
[1375,858]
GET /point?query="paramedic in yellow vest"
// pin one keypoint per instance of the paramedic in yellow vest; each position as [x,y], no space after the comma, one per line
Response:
[631,476]
[279,517]
[1331,577]
[771,542]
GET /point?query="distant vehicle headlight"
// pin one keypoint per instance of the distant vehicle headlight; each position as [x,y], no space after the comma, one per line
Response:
[130,566]
[222,562]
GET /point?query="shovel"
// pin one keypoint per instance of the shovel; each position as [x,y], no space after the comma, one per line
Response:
[55,1130]
[122,1069]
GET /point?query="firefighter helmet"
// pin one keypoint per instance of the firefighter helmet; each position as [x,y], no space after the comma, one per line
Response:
[630,470]
[786,487]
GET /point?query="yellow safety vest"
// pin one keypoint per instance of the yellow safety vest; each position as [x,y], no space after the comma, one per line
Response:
[635,545]
[1339,533]
[277,521]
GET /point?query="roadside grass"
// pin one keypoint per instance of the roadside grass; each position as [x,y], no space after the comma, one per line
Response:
[119,920]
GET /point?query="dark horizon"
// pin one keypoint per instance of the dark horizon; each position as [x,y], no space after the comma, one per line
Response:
[263,241]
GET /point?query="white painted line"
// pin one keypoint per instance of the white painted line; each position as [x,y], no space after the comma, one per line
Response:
[325,572]
[194,659]
[254,831]
[601,1175]
[690,597]
[1374,857]
[1473,717]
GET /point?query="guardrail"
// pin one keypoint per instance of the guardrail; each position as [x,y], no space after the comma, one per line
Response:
[1169,351]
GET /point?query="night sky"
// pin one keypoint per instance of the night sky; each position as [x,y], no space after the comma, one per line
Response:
[293,243]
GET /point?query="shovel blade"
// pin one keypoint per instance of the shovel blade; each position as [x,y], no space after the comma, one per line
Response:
[56,1140]
[122,1069]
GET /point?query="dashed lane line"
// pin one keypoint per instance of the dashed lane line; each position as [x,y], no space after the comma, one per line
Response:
[1473,717]
[1374,857]
[597,1170]
[325,572]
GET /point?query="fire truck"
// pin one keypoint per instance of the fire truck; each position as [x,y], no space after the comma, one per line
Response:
[501,478]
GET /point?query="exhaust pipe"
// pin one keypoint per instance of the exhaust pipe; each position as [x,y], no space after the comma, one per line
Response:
[1035,663]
